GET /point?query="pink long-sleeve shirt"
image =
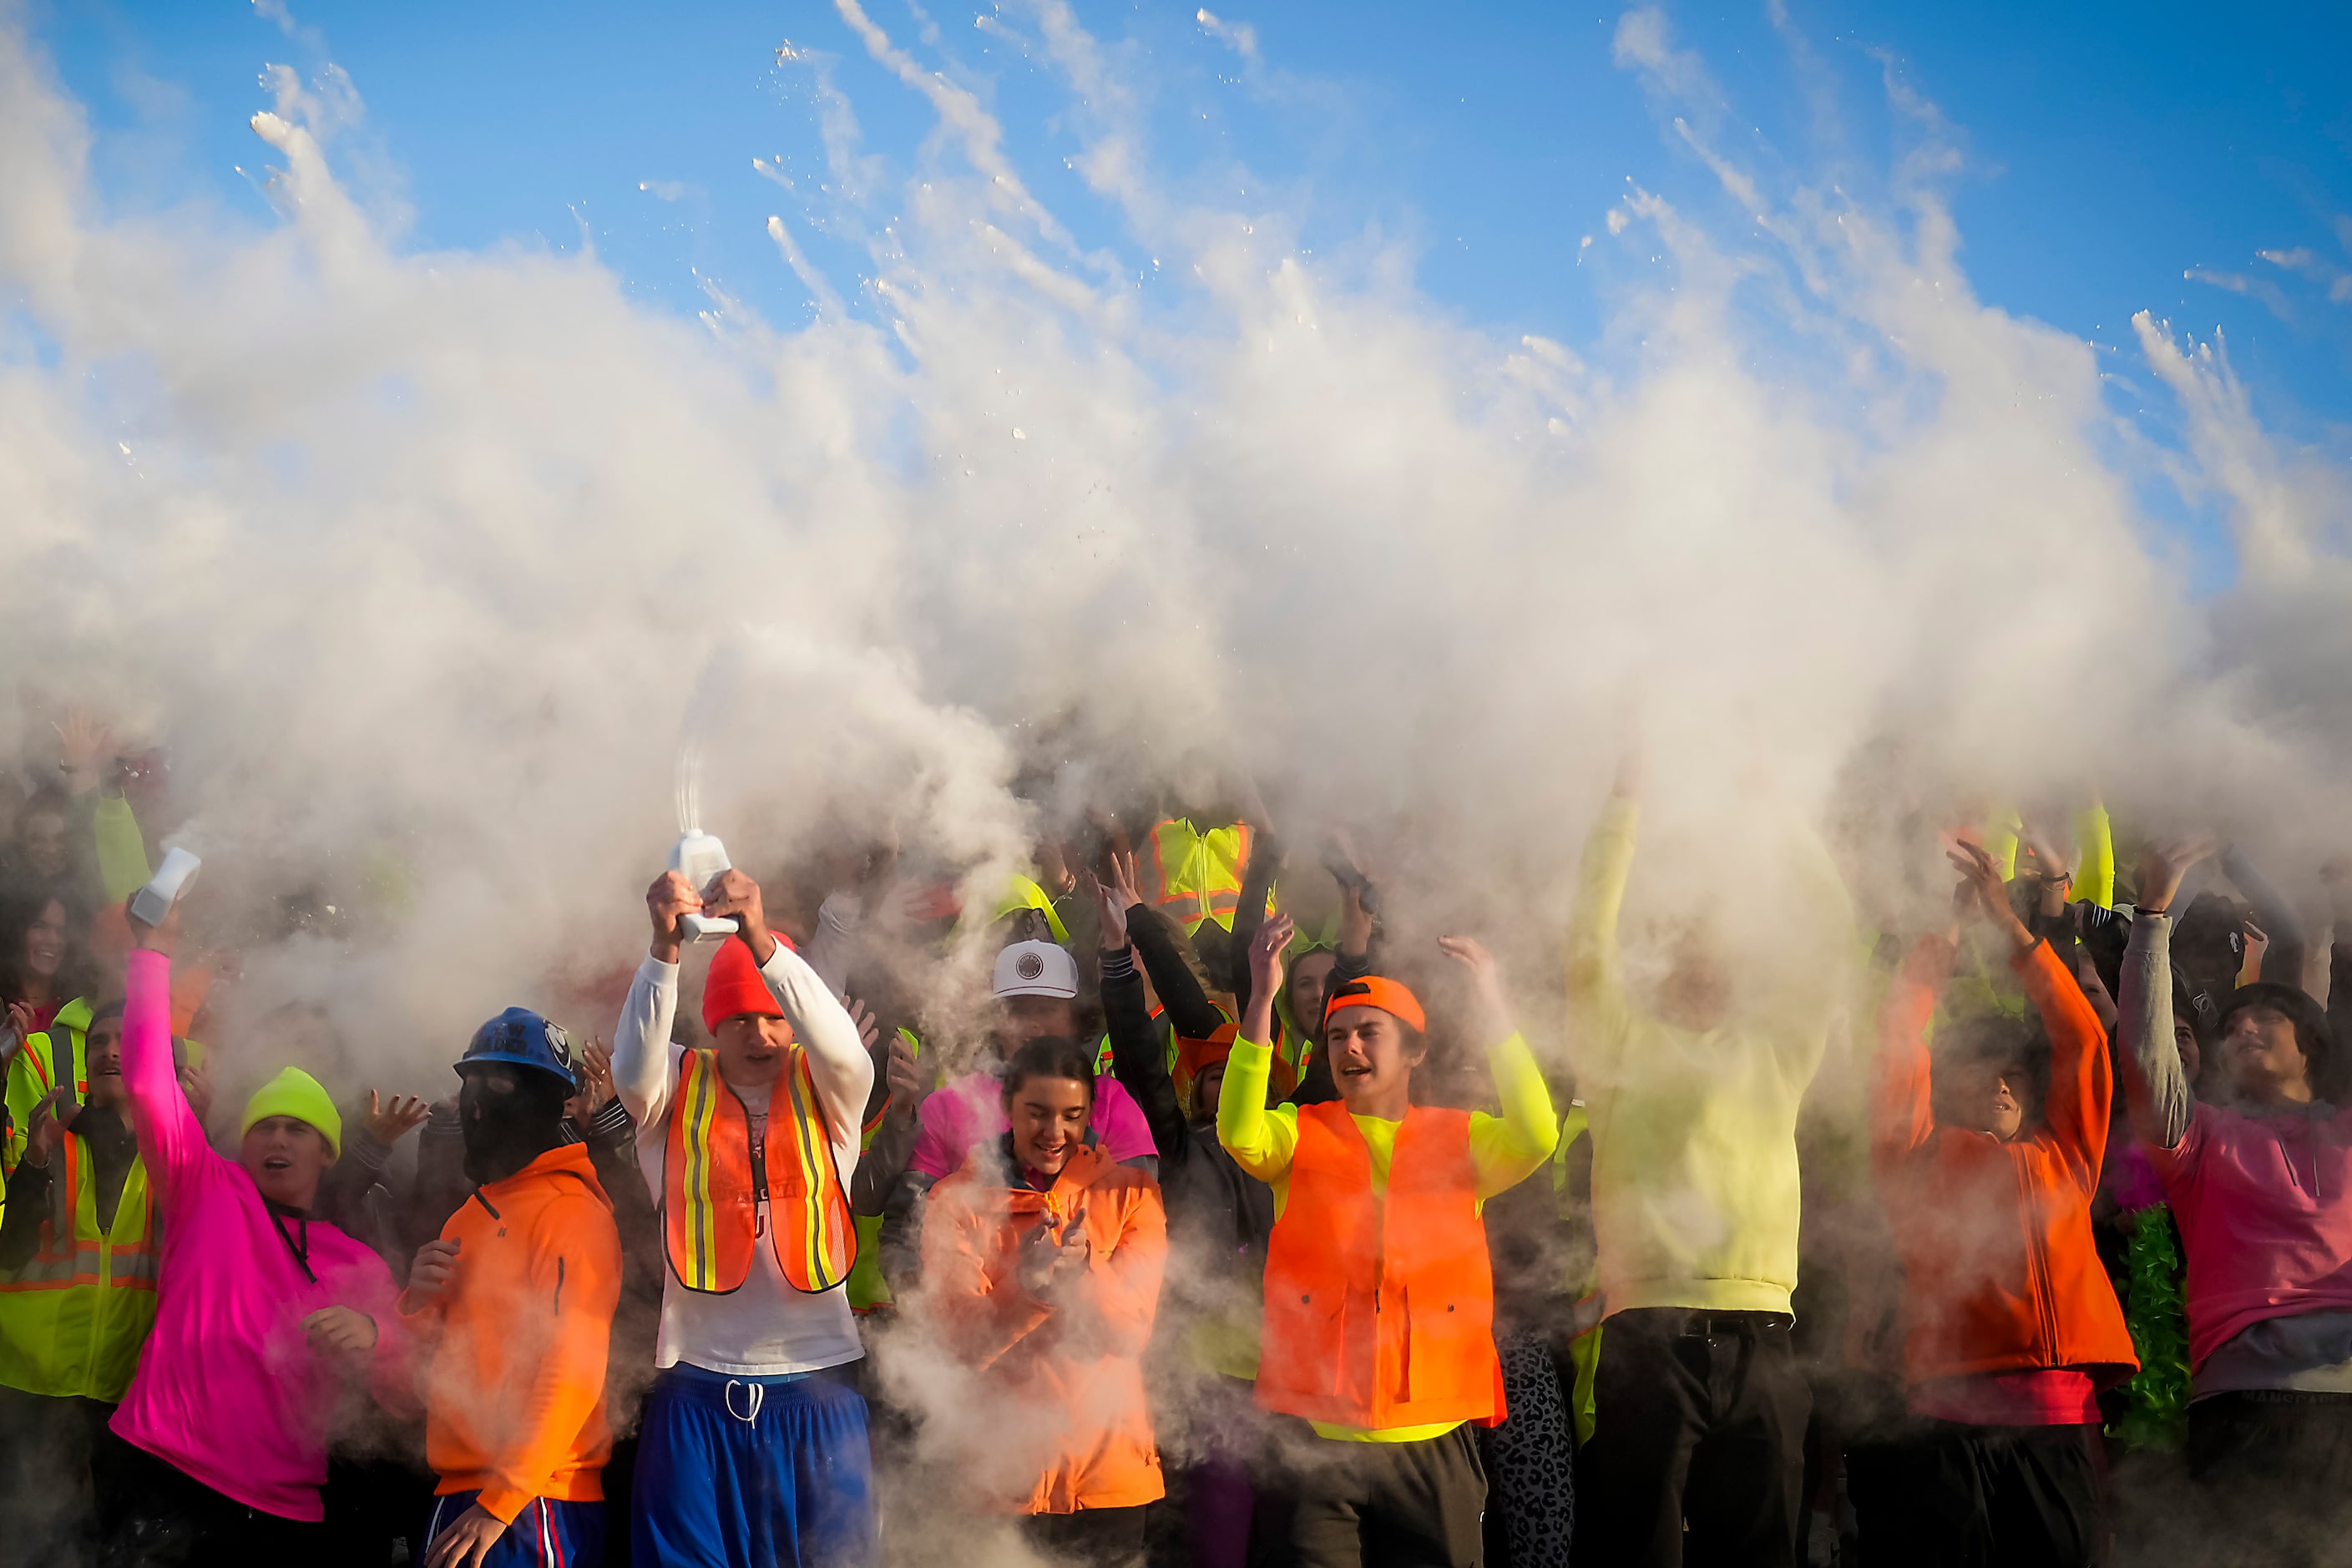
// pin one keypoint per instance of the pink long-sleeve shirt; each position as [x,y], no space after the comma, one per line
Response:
[229,1390]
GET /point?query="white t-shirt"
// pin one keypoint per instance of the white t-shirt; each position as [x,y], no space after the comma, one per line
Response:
[766,1328]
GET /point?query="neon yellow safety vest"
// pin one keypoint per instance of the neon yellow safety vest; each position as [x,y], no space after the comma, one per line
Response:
[73,1319]
[33,1072]
[1197,875]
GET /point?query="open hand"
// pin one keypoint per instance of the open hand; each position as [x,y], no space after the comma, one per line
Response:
[1265,951]
[595,1074]
[1485,982]
[1980,883]
[1111,912]
[81,741]
[2164,867]
[52,1119]
[869,1029]
[388,1124]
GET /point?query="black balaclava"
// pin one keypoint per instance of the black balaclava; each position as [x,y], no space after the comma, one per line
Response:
[506,1129]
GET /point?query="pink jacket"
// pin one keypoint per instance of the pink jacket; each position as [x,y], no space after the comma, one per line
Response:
[228,1391]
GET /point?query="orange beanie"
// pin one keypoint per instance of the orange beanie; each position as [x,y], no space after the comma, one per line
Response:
[733,987]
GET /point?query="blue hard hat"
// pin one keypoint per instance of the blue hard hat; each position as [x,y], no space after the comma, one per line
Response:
[520,1037]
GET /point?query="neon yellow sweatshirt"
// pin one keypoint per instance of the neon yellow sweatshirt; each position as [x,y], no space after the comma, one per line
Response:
[1695,1193]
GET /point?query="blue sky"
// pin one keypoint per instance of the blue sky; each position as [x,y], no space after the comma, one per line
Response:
[2112,148]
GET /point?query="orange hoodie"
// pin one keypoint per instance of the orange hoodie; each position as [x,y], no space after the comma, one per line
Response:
[514,1393]
[1064,1377]
[2000,1273]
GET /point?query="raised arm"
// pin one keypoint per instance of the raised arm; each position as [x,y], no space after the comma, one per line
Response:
[1257,881]
[1505,1150]
[642,1074]
[1902,1119]
[1261,1142]
[2276,915]
[1189,1011]
[1805,995]
[171,1139]
[2095,839]
[1597,1010]
[1136,1059]
[2081,1083]
[2155,1083]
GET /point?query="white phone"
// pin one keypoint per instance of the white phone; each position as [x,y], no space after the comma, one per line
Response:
[151,903]
[702,857]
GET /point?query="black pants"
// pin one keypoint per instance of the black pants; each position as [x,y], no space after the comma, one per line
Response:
[1388,1505]
[1943,1495]
[1090,1538]
[46,1494]
[157,1517]
[1699,1419]
[2273,1470]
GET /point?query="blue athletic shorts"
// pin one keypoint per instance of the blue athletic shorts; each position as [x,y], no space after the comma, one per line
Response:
[734,1470]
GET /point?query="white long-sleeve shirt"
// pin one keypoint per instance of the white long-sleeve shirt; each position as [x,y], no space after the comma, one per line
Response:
[766,1329]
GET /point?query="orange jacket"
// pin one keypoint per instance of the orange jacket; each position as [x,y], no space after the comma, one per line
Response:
[1067,1375]
[1381,1315]
[1999,1271]
[514,1392]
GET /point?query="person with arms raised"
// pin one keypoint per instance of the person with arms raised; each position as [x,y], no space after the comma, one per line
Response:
[1700,1407]
[1379,1292]
[2261,1189]
[513,1304]
[2012,1327]
[753,1447]
[219,1447]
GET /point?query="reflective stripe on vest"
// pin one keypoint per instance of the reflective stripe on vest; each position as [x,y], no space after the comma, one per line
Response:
[33,1072]
[73,1319]
[1199,875]
[1380,1311]
[711,1187]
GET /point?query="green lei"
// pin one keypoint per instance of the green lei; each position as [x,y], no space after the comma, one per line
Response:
[2155,1310]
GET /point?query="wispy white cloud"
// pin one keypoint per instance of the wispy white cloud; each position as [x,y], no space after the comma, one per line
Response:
[1238,36]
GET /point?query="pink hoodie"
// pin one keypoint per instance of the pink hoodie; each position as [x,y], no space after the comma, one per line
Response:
[228,1391]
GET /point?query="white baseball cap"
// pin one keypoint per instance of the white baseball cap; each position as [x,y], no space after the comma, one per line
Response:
[1035,969]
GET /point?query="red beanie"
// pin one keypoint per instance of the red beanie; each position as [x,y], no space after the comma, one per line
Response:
[733,987]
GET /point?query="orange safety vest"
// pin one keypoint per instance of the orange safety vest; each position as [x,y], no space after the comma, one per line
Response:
[712,1182]
[1199,874]
[1381,1315]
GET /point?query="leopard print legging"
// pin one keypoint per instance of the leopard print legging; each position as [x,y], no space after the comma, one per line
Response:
[1530,1460]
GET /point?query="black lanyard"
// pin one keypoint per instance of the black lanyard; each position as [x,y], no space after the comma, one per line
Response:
[302,1249]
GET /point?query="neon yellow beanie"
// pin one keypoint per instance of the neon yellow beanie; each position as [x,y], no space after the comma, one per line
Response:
[297,1094]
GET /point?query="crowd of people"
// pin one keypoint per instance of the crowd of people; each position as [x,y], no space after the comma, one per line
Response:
[1242,1225]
